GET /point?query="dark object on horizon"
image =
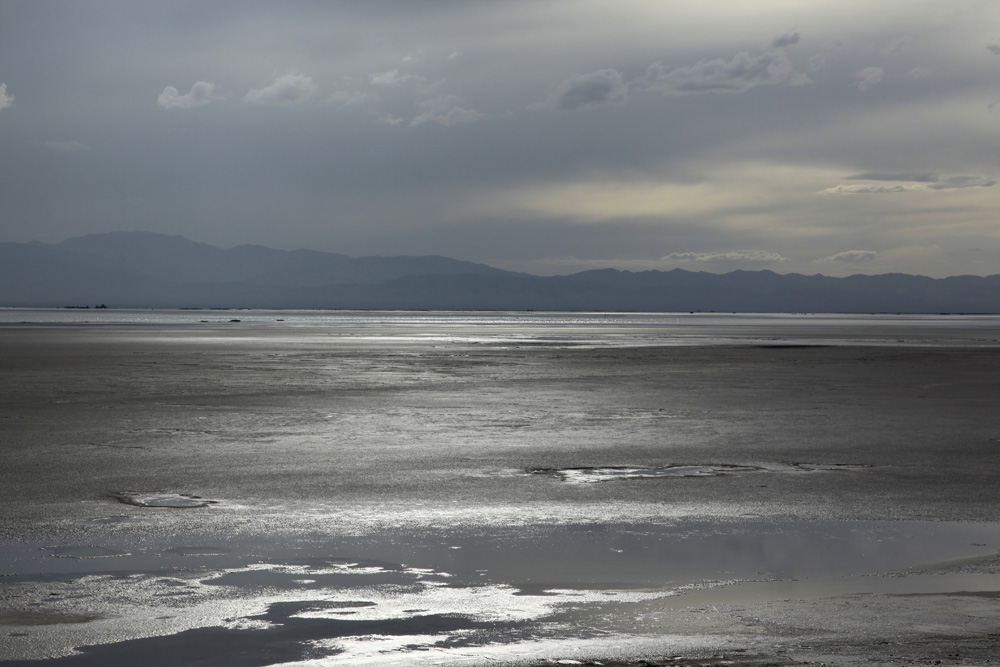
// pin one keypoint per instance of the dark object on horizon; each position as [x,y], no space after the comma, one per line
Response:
[140,269]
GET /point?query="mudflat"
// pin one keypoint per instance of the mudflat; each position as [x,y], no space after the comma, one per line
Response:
[225,493]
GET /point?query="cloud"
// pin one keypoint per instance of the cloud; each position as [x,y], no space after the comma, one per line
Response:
[202,92]
[994,47]
[895,46]
[919,73]
[286,91]
[66,145]
[919,177]
[454,55]
[394,78]
[750,256]
[349,98]
[927,180]
[870,189]
[445,110]
[868,78]
[743,72]
[959,182]
[788,39]
[605,86]
[849,257]
[6,101]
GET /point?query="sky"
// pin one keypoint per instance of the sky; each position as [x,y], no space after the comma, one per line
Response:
[547,136]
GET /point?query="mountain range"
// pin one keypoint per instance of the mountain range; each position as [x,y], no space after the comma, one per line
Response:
[146,270]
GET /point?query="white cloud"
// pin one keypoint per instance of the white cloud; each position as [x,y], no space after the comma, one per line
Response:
[749,256]
[605,86]
[868,78]
[788,39]
[389,119]
[849,257]
[454,55]
[202,92]
[743,72]
[66,145]
[286,91]
[919,73]
[6,101]
[445,110]
[348,98]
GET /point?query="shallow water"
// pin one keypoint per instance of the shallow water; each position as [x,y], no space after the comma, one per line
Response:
[495,587]
[352,487]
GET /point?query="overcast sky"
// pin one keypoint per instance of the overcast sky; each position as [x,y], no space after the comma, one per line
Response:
[549,136]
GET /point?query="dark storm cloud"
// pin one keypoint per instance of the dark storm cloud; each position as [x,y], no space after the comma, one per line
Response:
[604,86]
[737,75]
[994,47]
[959,182]
[788,39]
[921,177]
[934,181]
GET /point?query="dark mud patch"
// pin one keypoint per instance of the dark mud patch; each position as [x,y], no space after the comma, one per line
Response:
[45,618]
[158,500]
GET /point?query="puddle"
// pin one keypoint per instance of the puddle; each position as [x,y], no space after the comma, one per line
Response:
[589,474]
[171,500]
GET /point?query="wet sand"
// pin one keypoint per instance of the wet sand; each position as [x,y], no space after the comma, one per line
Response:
[260,495]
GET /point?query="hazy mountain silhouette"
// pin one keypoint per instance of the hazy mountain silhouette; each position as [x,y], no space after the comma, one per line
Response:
[140,269]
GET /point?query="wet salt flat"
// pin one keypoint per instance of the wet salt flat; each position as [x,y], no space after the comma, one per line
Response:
[471,592]
[482,489]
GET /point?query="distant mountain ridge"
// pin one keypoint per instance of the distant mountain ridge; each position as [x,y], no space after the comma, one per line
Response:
[177,259]
[146,270]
